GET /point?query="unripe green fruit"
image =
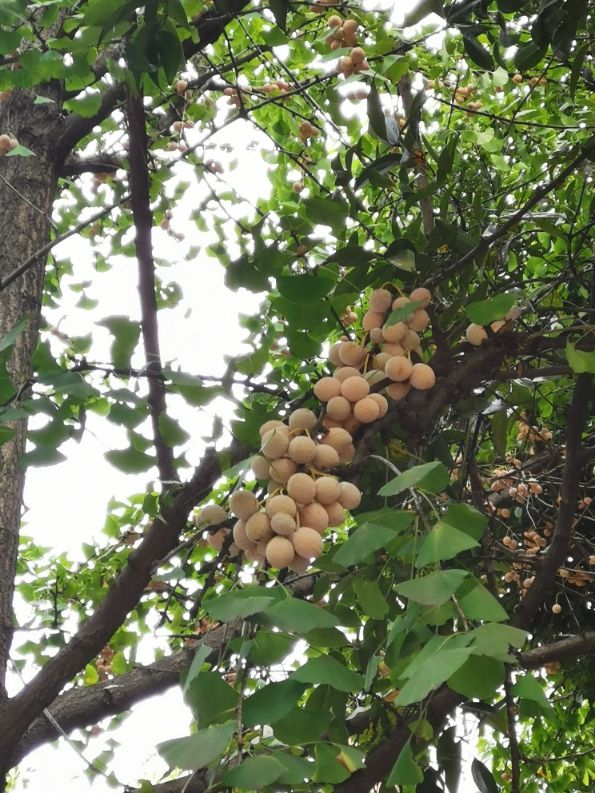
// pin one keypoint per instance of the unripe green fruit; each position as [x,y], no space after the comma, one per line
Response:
[380,299]
[338,408]
[282,523]
[301,488]
[281,469]
[275,443]
[280,503]
[243,504]
[302,419]
[307,542]
[335,513]
[327,388]
[350,496]
[211,515]
[327,490]
[366,410]
[302,450]
[280,552]
[422,377]
[315,516]
[398,368]
[258,527]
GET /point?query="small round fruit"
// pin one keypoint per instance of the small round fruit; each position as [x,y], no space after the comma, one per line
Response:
[411,341]
[351,354]
[346,455]
[211,515]
[398,368]
[394,333]
[257,553]
[376,336]
[301,488]
[243,504]
[326,457]
[333,353]
[315,516]
[240,537]
[358,55]
[258,527]
[299,565]
[302,449]
[355,388]
[338,408]
[282,523]
[307,542]
[260,467]
[281,469]
[181,86]
[420,320]
[382,404]
[350,496]
[422,377]
[302,419]
[380,360]
[372,319]
[334,21]
[380,299]
[335,513]
[393,349]
[271,425]
[217,539]
[497,325]
[327,490]
[338,438]
[327,388]
[352,424]
[278,504]
[421,293]
[476,334]
[344,372]
[349,27]
[366,410]
[275,443]
[280,552]
[556,608]
[398,391]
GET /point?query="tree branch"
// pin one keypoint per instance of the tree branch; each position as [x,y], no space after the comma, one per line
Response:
[569,648]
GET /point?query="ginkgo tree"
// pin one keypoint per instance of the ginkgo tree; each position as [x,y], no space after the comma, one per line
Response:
[424,246]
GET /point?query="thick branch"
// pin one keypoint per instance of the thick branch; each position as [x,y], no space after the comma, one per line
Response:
[572,647]
[101,163]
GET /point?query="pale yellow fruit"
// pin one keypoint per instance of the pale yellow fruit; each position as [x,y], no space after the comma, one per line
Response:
[271,425]
[280,503]
[346,455]
[381,402]
[281,469]
[380,299]
[211,515]
[476,334]
[282,523]
[240,537]
[398,391]
[355,388]
[280,552]
[258,527]
[366,410]
[338,438]
[351,354]
[422,376]
[326,457]
[394,333]
[376,336]
[380,360]
[421,293]
[497,325]
[260,467]
[327,388]
[299,565]
[315,516]
[350,496]
[420,321]
[393,349]
[302,450]
[335,513]
[338,408]
[243,504]
[372,319]
[307,542]
[327,490]
[275,444]
[344,372]
[398,368]
[301,488]
[217,539]
[302,419]
[333,353]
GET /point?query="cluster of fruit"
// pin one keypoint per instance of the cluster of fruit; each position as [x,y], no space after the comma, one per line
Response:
[477,334]
[344,33]
[7,143]
[531,433]
[307,130]
[354,63]
[103,664]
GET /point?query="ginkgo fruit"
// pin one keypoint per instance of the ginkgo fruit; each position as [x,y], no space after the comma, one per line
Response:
[260,467]
[355,388]
[283,523]
[211,515]
[307,542]
[302,449]
[275,443]
[342,373]
[280,552]
[327,490]
[398,368]
[327,388]
[281,469]
[335,513]
[366,410]
[380,300]
[422,376]
[326,457]
[314,515]
[351,354]
[395,332]
[280,503]
[301,488]
[476,334]
[240,537]
[302,419]
[351,496]
[258,527]
[338,438]
[338,408]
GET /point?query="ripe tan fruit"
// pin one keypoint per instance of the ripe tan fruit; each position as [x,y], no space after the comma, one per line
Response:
[355,388]
[334,21]
[243,504]
[328,423]
[350,496]
[280,503]
[333,353]
[275,443]
[302,450]
[476,334]
[398,391]
[372,319]
[315,516]
[393,349]
[366,410]
[257,553]
[302,419]
[345,64]
[327,490]
[338,438]
[240,537]
[258,527]
[307,542]
[282,523]
[376,336]
[421,293]
[301,488]
[271,425]
[398,368]
[380,360]
[346,455]
[211,515]
[497,325]
[326,457]
[382,404]
[181,86]
[217,539]
[327,388]
[422,377]
[420,320]
[299,565]
[280,552]
[335,513]
[338,408]
[394,333]
[260,467]
[517,78]
[411,341]
[351,354]
[281,469]
[556,608]
[343,372]
[352,424]
[358,55]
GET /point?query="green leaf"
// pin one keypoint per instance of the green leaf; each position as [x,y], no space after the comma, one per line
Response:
[237,605]
[433,477]
[198,750]
[328,671]
[527,687]
[483,778]
[254,773]
[479,604]
[268,648]
[478,678]
[528,55]
[297,769]
[433,589]
[466,519]
[211,698]
[499,431]
[271,703]
[305,288]
[443,542]
[376,116]
[478,53]
[370,598]
[580,362]
[171,432]
[328,212]
[299,616]
[482,312]
[280,9]
[43,456]
[126,334]
[431,673]
[130,461]
[200,656]
[380,166]
[9,338]
[171,54]
[494,639]
[405,771]
[400,314]
[302,726]
[21,151]
[370,537]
